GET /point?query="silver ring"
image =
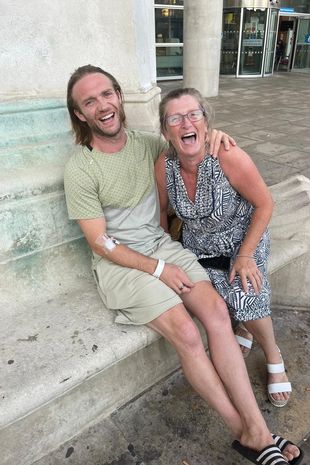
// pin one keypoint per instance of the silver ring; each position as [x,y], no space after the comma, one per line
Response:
[181,287]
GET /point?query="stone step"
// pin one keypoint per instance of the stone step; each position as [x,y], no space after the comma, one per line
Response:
[35,143]
[21,182]
[33,159]
[291,222]
[32,121]
[39,277]
[32,224]
[65,362]
[292,198]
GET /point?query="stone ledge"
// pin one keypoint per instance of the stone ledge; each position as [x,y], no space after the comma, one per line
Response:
[33,224]
[63,355]
[291,222]
[33,120]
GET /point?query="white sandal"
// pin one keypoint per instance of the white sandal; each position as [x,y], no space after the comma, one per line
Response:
[243,341]
[274,388]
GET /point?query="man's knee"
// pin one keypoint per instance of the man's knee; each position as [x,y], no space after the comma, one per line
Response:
[220,314]
[187,336]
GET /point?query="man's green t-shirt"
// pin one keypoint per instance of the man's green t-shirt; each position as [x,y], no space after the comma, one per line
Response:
[119,187]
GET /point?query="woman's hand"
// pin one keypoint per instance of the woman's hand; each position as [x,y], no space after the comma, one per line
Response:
[246,268]
[215,138]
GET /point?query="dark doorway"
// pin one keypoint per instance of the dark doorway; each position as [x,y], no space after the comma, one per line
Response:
[285,43]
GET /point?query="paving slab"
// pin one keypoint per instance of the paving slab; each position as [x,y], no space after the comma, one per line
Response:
[171,425]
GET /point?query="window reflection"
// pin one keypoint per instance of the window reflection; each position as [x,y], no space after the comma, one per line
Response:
[168,25]
[169,61]
[253,30]
[169,2]
[271,39]
[302,58]
[169,42]
[230,39]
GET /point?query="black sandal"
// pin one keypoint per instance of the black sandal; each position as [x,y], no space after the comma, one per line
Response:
[268,456]
[282,443]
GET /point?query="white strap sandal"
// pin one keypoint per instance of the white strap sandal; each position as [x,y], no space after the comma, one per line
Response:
[243,341]
[247,343]
[274,388]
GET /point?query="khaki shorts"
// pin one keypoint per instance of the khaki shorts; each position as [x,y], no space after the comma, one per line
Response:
[138,297]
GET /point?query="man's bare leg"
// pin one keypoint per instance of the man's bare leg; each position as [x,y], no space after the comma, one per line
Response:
[204,302]
[180,330]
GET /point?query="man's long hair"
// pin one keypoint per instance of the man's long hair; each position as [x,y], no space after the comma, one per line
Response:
[83,133]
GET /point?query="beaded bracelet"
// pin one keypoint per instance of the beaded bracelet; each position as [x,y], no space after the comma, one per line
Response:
[245,256]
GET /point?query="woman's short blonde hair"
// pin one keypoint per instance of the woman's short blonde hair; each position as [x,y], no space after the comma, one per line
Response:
[176,94]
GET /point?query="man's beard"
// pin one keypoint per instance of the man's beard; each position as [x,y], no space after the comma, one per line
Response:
[120,114]
[102,133]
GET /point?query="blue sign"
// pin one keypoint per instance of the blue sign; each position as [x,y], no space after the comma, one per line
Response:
[307,38]
[287,10]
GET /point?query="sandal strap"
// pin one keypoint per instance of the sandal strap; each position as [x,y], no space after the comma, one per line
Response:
[243,341]
[274,388]
[271,455]
[275,368]
[281,442]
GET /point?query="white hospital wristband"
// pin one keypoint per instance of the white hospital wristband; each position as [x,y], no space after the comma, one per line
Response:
[159,268]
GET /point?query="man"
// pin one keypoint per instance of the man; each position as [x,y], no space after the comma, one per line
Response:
[144,276]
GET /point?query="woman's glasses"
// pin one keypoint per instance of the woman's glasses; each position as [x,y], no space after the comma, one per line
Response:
[194,115]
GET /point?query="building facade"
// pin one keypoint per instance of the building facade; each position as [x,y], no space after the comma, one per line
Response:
[258,37]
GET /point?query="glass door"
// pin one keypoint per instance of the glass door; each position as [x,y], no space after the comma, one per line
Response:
[169,40]
[252,41]
[302,53]
[271,41]
[230,41]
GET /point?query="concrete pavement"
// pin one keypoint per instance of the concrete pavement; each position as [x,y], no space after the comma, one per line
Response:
[169,424]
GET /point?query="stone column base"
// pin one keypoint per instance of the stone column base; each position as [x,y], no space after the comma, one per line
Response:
[142,109]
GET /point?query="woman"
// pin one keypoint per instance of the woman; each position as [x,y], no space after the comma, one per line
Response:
[225,207]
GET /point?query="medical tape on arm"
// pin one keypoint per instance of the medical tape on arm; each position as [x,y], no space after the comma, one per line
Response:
[106,242]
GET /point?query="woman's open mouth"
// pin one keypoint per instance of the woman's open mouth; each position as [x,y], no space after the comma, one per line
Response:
[189,138]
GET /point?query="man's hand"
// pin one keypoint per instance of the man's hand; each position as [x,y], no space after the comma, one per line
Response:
[247,269]
[215,138]
[174,277]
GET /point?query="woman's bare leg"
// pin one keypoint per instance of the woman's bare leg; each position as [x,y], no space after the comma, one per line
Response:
[262,330]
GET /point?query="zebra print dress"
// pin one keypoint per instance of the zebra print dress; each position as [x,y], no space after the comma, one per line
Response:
[215,225]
